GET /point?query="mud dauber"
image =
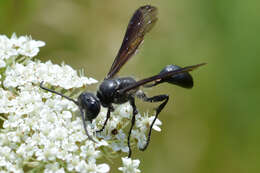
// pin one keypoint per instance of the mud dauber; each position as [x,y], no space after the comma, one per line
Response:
[118,90]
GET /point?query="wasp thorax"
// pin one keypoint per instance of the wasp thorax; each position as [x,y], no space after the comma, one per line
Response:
[106,91]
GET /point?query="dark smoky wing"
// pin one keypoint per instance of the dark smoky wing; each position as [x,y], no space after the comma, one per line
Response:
[160,77]
[142,22]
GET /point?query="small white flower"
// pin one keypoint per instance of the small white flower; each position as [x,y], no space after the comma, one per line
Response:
[156,124]
[124,110]
[120,144]
[72,161]
[82,167]
[91,167]
[144,122]
[102,168]
[89,152]
[140,136]
[26,46]
[101,143]
[53,168]
[6,48]
[129,165]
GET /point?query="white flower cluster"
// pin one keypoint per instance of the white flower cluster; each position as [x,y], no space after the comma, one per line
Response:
[42,132]
[14,47]
[34,72]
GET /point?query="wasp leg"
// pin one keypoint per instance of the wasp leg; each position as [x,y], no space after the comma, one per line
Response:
[132,102]
[109,109]
[158,98]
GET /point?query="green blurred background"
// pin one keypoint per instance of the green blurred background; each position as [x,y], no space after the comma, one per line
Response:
[215,127]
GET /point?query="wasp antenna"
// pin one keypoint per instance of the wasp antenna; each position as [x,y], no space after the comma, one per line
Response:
[201,64]
[55,92]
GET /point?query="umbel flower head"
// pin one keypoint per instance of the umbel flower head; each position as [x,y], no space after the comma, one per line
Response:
[43,132]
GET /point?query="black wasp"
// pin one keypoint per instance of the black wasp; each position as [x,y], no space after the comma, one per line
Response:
[118,90]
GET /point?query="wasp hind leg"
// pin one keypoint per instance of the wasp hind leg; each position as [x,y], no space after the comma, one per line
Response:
[159,98]
[135,112]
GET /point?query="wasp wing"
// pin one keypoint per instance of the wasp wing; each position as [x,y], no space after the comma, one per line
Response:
[159,77]
[142,22]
